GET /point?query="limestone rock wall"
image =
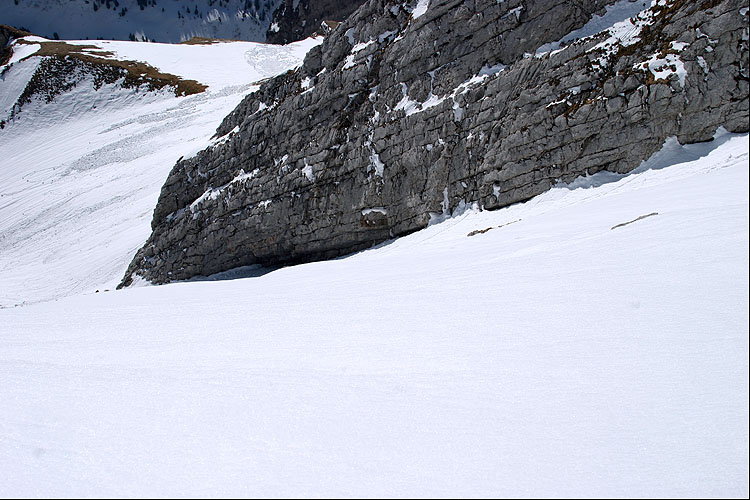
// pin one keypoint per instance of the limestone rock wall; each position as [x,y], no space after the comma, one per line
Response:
[399,117]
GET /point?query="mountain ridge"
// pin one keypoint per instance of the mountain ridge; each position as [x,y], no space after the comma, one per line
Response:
[141,20]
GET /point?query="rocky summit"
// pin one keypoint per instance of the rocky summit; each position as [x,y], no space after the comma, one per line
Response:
[409,112]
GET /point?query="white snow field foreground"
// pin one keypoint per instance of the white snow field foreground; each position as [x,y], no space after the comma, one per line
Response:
[549,356]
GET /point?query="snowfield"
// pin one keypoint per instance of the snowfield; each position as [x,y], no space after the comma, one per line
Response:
[217,64]
[81,175]
[572,349]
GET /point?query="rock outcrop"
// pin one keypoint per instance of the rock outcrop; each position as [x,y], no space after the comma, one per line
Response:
[7,35]
[296,20]
[63,67]
[404,114]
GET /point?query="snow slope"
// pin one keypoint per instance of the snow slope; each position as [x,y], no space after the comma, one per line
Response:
[615,18]
[81,175]
[559,353]
[163,20]
[216,64]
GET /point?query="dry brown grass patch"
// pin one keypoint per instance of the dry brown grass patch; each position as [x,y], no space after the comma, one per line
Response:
[136,72]
[201,40]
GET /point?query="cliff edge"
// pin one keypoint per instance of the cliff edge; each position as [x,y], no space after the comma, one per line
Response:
[410,111]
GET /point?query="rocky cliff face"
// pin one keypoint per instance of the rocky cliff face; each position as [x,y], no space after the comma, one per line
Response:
[405,114]
[296,20]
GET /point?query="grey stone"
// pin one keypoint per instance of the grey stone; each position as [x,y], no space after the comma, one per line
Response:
[360,158]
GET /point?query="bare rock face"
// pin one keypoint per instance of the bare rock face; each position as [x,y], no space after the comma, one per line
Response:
[7,35]
[404,114]
[296,20]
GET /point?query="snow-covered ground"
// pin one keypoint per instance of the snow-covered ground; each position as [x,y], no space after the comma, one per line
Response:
[215,64]
[590,342]
[80,176]
[560,353]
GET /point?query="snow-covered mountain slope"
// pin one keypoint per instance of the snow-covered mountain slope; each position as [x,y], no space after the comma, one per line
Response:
[590,342]
[143,20]
[81,174]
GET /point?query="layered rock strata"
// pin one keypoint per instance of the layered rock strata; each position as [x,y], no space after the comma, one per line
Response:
[405,113]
